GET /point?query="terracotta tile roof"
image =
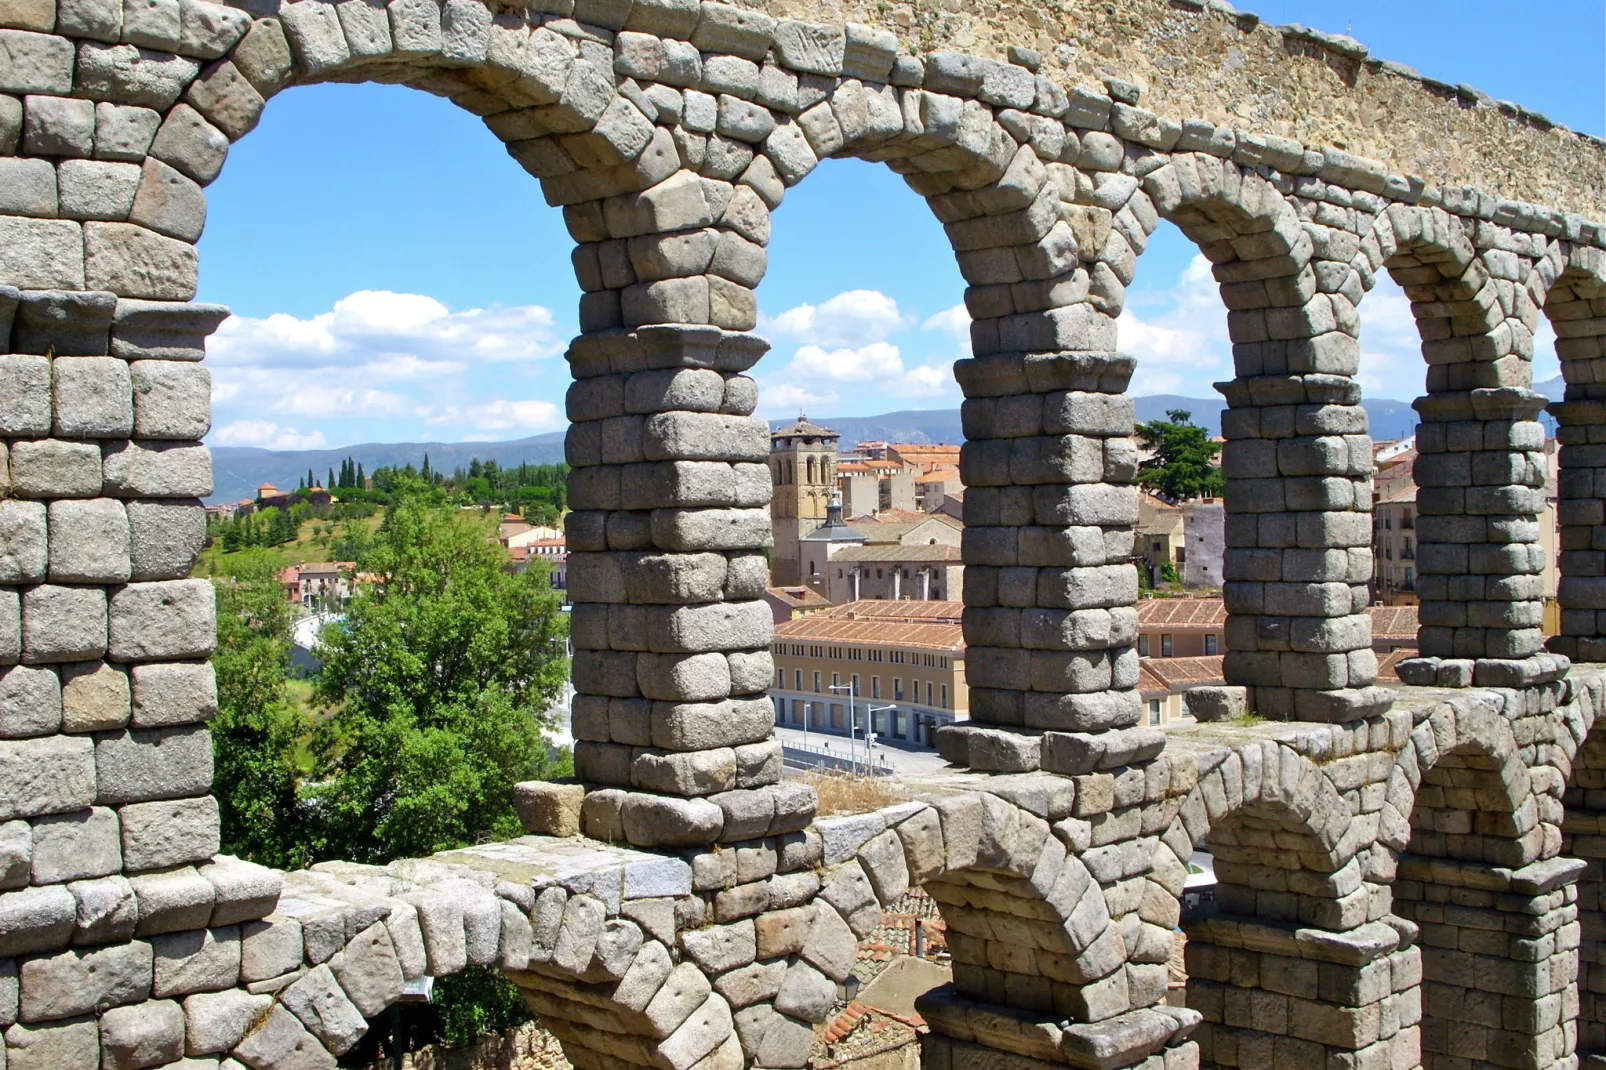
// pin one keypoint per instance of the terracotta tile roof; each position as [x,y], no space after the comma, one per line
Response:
[1203,613]
[897,552]
[904,609]
[1386,663]
[1177,674]
[797,597]
[804,429]
[1393,622]
[819,628]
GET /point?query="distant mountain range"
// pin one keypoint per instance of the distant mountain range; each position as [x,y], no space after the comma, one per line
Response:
[239,470]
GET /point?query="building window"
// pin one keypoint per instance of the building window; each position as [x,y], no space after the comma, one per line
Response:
[855,682]
[945,696]
[816,683]
[1210,644]
[780,677]
[928,693]
[875,687]
[1165,646]
[897,689]
[838,573]
[1154,711]
[797,679]
[1143,646]
[814,569]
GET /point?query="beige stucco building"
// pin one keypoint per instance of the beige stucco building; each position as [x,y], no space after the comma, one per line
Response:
[898,665]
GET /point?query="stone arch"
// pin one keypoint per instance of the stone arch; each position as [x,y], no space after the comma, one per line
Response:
[1303,854]
[1495,905]
[1575,304]
[1297,458]
[1480,473]
[1584,838]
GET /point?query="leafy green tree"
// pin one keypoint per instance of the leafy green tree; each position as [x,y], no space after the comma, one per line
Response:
[257,729]
[1181,467]
[440,677]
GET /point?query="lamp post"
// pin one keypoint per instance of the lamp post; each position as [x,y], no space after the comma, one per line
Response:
[807,706]
[852,724]
[870,713]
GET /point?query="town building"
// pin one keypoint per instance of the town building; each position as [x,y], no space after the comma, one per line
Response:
[892,555]
[1204,531]
[318,585]
[875,485]
[270,497]
[1197,627]
[1161,538]
[900,666]
[803,473]
[789,603]
[933,488]
[1395,570]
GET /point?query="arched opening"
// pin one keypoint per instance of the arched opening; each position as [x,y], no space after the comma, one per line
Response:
[1584,837]
[1481,470]
[386,301]
[1575,306]
[1285,963]
[1297,456]
[1498,925]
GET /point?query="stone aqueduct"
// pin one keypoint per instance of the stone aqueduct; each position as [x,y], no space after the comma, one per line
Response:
[1408,877]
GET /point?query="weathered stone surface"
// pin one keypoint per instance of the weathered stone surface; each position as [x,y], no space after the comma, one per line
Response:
[323,1007]
[200,960]
[146,1035]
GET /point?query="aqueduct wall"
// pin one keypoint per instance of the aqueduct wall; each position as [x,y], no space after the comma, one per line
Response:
[1408,877]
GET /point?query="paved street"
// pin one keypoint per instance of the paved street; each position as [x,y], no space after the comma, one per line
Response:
[912,762]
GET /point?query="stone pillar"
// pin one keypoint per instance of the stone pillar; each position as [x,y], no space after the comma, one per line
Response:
[667,571]
[1048,464]
[1581,510]
[1576,307]
[105,689]
[1480,475]
[1274,996]
[1499,960]
[1298,554]
[1298,960]
[1298,460]
[1584,838]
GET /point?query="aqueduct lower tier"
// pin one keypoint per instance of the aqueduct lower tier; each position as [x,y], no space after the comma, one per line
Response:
[1407,877]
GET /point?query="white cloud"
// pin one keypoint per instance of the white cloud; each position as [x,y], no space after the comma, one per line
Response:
[387,365]
[955,320]
[878,360]
[1391,347]
[849,358]
[268,435]
[1183,347]
[523,417]
[850,319]
[391,329]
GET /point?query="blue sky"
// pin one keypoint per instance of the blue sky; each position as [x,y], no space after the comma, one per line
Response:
[396,277]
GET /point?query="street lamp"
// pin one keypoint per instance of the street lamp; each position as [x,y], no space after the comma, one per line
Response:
[870,737]
[807,706]
[853,726]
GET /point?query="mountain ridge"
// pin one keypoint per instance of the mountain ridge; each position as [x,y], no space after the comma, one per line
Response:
[239,470]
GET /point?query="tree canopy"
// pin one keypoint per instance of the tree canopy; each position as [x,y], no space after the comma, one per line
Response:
[440,677]
[1181,467]
[255,734]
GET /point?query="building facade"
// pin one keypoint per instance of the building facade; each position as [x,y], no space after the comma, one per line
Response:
[803,473]
[898,667]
